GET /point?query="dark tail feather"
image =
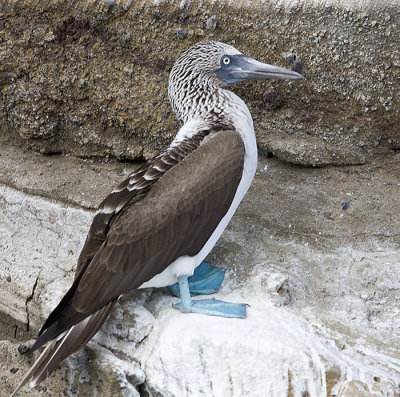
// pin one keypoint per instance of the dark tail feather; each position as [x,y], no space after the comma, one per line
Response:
[69,342]
[61,325]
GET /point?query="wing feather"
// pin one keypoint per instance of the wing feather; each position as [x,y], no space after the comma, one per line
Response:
[180,212]
[132,189]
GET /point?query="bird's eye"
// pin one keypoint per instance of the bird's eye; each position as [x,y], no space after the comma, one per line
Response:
[226,60]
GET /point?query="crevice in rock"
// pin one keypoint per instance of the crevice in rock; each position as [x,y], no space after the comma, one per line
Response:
[28,299]
[144,391]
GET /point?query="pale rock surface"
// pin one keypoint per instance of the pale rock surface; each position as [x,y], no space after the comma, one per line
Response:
[323,313]
[39,242]
[217,357]
[277,350]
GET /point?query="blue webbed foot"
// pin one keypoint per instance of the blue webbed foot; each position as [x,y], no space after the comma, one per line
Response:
[206,280]
[212,307]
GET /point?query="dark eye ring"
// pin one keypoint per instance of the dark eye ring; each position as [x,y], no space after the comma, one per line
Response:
[226,60]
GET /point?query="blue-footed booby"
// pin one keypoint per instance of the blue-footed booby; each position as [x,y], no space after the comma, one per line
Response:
[159,224]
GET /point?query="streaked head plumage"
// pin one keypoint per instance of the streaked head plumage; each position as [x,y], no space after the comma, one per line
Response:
[205,68]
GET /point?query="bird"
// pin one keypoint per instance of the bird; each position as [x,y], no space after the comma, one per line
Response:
[158,225]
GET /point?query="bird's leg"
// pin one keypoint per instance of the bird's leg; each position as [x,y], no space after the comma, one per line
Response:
[212,307]
[186,302]
[206,280]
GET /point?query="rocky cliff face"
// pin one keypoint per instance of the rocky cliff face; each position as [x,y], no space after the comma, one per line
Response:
[89,78]
[314,251]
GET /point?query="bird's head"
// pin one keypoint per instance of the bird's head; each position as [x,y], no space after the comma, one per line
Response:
[210,65]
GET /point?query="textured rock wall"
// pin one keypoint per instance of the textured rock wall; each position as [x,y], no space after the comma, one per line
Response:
[90,78]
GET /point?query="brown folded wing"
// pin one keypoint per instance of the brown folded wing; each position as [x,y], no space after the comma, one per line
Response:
[179,214]
[131,190]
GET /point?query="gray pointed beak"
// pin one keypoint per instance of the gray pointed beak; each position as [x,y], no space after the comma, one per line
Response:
[242,67]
